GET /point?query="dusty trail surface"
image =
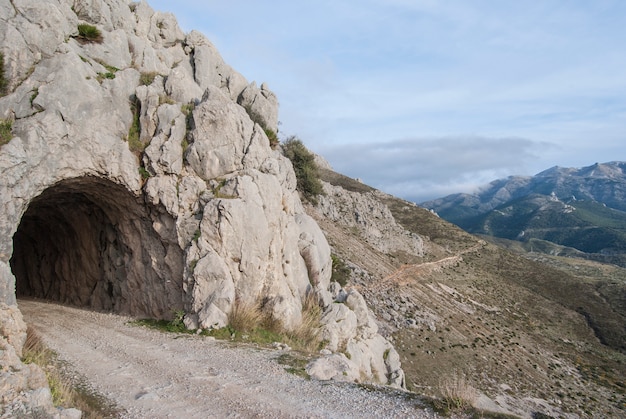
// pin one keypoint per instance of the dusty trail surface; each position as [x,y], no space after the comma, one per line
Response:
[151,374]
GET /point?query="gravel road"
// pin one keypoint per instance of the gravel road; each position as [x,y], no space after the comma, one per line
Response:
[151,374]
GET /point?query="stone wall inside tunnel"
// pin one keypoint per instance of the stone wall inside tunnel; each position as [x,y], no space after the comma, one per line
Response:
[89,242]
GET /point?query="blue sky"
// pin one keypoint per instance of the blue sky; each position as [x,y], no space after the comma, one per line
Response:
[423,98]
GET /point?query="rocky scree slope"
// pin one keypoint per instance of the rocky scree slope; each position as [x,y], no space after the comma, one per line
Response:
[139,179]
[532,336]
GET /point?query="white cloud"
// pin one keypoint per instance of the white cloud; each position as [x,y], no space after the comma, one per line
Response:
[422,168]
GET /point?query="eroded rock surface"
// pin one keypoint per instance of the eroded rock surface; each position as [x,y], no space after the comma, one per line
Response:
[373,220]
[140,179]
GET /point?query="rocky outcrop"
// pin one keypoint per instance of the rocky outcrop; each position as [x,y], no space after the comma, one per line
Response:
[353,345]
[371,217]
[140,179]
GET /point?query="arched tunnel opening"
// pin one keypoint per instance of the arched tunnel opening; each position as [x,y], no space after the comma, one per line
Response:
[89,242]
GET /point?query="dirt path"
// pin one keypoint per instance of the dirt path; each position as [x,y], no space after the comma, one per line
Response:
[157,375]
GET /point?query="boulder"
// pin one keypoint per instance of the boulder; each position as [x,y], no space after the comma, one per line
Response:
[336,367]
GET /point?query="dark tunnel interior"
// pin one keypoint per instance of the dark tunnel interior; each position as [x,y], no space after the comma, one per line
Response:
[89,242]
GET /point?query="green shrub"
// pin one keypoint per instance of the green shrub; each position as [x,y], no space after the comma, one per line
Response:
[3,81]
[6,125]
[134,132]
[145,175]
[110,73]
[271,135]
[89,33]
[187,110]
[110,68]
[307,172]
[34,95]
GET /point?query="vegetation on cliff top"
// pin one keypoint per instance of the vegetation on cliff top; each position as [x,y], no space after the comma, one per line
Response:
[307,172]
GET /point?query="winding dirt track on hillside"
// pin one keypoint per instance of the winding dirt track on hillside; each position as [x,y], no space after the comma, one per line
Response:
[151,374]
[407,273]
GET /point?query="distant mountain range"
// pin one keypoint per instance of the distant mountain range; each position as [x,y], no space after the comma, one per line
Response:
[567,211]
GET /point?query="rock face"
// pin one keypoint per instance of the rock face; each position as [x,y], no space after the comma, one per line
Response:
[354,346]
[373,220]
[139,179]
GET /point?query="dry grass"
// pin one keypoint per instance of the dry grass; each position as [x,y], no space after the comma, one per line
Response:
[35,352]
[246,317]
[306,335]
[256,323]
[457,392]
[65,392]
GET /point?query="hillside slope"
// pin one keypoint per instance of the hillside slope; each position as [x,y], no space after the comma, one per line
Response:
[532,338]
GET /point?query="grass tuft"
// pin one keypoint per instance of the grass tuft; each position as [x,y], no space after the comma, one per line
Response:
[457,392]
[89,33]
[4,83]
[273,137]
[306,335]
[146,79]
[6,134]
[254,324]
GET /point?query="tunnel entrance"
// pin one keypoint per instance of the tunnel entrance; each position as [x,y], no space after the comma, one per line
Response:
[89,242]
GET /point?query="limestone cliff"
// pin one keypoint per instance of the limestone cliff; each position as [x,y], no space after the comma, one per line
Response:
[139,177]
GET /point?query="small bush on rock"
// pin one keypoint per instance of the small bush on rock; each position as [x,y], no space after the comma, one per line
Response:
[307,172]
[89,33]
[271,135]
[134,132]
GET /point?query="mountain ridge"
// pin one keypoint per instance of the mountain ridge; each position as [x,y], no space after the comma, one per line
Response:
[547,181]
[583,208]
